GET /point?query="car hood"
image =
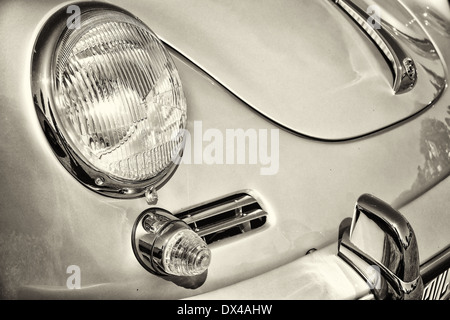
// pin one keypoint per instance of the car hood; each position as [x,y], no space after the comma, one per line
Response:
[304,65]
[45,229]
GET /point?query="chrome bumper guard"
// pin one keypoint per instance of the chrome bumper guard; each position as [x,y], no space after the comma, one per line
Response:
[380,245]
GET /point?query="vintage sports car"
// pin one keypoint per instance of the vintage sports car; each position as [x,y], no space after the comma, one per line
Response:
[190,149]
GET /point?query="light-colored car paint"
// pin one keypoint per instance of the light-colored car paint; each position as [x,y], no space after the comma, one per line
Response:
[303,64]
[49,221]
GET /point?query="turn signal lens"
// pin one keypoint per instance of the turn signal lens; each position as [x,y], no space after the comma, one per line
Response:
[166,245]
[186,254]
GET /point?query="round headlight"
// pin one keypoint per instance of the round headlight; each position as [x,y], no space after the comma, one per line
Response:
[109,98]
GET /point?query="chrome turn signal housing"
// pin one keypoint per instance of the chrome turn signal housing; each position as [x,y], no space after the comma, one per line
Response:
[165,245]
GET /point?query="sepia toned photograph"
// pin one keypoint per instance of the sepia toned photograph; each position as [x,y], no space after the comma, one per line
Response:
[241,151]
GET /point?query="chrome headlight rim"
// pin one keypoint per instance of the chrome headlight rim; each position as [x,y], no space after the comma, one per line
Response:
[43,86]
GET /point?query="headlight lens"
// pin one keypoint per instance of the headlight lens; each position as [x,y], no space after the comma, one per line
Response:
[120,97]
[117,99]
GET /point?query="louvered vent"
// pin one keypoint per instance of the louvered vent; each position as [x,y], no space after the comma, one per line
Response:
[225,217]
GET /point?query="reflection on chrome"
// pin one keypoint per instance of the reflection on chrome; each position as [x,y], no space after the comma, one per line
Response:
[166,246]
[414,61]
[381,246]
[405,75]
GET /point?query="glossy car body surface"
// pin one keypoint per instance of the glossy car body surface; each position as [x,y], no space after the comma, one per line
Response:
[302,71]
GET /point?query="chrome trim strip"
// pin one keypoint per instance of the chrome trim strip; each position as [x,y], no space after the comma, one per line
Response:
[226,206]
[238,210]
[435,275]
[403,66]
[436,265]
[231,223]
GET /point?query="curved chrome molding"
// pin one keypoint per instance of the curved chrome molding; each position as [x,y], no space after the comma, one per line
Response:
[44,101]
[381,246]
[404,69]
